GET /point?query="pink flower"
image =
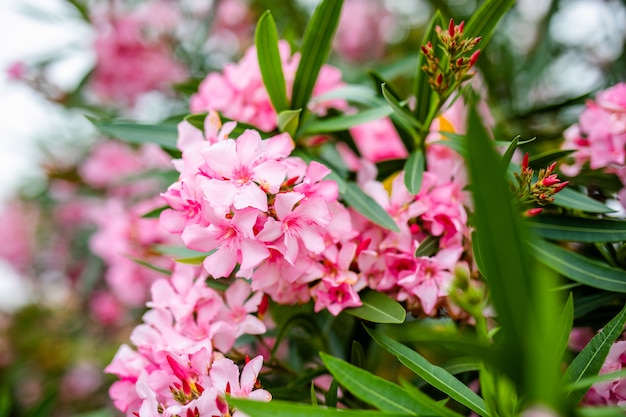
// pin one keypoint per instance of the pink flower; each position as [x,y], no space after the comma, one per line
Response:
[378,140]
[233,238]
[612,392]
[226,379]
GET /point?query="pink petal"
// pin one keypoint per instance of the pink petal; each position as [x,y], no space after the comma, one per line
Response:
[284,202]
[221,157]
[221,263]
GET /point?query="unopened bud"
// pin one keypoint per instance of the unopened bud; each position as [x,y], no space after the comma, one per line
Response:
[439,79]
[533,212]
[451,28]
[474,58]
[525,162]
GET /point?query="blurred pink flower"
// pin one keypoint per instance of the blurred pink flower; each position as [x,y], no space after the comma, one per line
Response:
[363,28]
[378,140]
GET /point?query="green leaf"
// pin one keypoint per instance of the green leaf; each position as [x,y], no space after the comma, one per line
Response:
[288,121]
[179,251]
[351,93]
[153,267]
[544,159]
[285,409]
[586,383]
[427,247]
[154,213]
[339,123]
[576,229]
[579,268]
[398,107]
[331,394]
[368,207]
[373,390]
[316,44]
[527,308]
[484,20]
[434,375]
[508,155]
[266,42]
[590,359]
[438,408]
[414,171]
[165,135]
[378,308]
[423,92]
[599,411]
[572,199]
[563,329]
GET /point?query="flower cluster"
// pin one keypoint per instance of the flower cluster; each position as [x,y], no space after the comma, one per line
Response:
[599,138]
[540,192]
[178,367]
[457,51]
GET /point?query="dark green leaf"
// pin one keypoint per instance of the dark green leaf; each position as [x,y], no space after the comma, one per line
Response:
[378,308]
[590,359]
[316,44]
[284,409]
[436,407]
[508,155]
[414,171]
[373,390]
[546,158]
[571,199]
[576,229]
[368,207]
[338,123]
[434,375]
[266,42]
[484,20]
[331,394]
[563,329]
[399,108]
[427,247]
[579,268]
[164,135]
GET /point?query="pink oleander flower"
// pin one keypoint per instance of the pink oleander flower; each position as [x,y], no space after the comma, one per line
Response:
[378,141]
[130,62]
[363,30]
[238,92]
[18,223]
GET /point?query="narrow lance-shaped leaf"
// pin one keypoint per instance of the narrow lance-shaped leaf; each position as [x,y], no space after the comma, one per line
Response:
[372,389]
[288,121]
[508,155]
[277,408]
[378,308]
[164,134]
[414,171]
[266,42]
[398,107]
[437,408]
[337,123]
[434,375]
[579,268]
[589,361]
[572,199]
[527,308]
[576,229]
[316,44]
[484,20]
[368,207]
[563,329]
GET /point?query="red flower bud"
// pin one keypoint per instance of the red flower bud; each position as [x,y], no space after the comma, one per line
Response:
[461,26]
[560,187]
[451,28]
[474,58]
[525,162]
[439,79]
[263,306]
[533,212]
[178,370]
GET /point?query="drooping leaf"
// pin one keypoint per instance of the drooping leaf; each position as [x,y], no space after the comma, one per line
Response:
[575,200]
[576,229]
[434,375]
[378,308]
[544,159]
[266,42]
[484,20]
[316,44]
[285,409]
[372,389]
[590,359]
[414,170]
[368,207]
[399,108]
[337,123]
[508,155]
[579,268]
[164,135]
